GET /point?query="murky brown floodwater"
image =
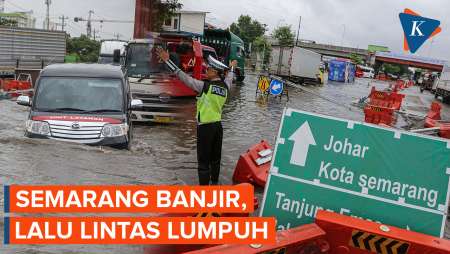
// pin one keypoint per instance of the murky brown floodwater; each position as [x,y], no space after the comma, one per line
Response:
[163,154]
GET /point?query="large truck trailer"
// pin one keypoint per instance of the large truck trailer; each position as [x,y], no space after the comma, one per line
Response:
[295,63]
[29,50]
[443,85]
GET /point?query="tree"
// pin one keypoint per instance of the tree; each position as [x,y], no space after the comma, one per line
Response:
[7,22]
[248,29]
[86,49]
[356,59]
[162,11]
[284,35]
[260,44]
[392,69]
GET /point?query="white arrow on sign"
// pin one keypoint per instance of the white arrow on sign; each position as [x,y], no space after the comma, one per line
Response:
[302,138]
[276,87]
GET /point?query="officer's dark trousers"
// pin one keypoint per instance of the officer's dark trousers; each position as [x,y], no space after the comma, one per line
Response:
[209,152]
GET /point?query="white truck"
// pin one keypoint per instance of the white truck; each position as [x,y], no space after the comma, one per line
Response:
[107,50]
[295,63]
[443,85]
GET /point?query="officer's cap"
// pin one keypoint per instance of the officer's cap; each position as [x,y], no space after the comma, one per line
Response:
[216,64]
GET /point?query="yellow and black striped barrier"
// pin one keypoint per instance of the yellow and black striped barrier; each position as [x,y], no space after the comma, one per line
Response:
[377,244]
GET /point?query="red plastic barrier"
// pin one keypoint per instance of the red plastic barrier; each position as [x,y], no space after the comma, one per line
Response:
[307,239]
[401,84]
[386,99]
[253,166]
[433,120]
[348,235]
[16,85]
[435,111]
[379,115]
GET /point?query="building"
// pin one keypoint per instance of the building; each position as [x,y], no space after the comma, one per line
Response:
[186,21]
[23,19]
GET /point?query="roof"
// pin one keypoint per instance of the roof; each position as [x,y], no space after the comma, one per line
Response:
[411,58]
[191,12]
[13,14]
[82,70]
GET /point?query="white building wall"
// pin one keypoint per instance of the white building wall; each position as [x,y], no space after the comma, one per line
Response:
[193,23]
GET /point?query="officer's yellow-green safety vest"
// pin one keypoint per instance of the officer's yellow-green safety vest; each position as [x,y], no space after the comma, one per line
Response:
[210,102]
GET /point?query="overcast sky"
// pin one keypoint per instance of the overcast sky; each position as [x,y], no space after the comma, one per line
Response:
[355,23]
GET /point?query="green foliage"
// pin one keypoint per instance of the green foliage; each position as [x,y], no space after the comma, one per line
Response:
[284,35]
[163,11]
[356,59]
[86,49]
[248,29]
[395,69]
[7,22]
[261,45]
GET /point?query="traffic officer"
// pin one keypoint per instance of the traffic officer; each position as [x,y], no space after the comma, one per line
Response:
[212,95]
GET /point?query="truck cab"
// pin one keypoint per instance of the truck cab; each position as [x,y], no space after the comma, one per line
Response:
[107,48]
[165,98]
[83,103]
[228,47]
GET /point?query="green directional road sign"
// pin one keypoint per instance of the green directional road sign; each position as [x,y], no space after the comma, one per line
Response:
[297,202]
[383,174]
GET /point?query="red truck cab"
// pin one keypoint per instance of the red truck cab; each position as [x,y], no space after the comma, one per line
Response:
[163,94]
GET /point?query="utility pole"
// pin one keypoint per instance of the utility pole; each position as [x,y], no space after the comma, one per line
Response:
[63,21]
[96,32]
[89,24]
[47,15]
[298,31]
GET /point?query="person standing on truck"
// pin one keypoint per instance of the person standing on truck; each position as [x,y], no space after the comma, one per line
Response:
[212,95]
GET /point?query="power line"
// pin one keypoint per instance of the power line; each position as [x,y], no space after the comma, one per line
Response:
[15,5]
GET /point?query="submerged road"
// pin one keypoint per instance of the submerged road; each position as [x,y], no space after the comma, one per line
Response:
[165,154]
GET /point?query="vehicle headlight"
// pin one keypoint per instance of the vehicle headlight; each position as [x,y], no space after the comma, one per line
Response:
[38,127]
[114,130]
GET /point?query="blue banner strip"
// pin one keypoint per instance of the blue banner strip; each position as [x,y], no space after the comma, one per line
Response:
[6,198]
[6,230]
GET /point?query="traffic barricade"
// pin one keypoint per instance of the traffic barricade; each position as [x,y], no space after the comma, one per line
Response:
[401,84]
[349,235]
[15,87]
[253,166]
[433,119]
[306,239]
[435,111]
[379,115]
[386,99]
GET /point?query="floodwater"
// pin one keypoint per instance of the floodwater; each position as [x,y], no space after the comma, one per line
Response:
[165,154]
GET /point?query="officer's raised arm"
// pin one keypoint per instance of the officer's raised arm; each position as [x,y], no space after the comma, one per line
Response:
[195,84]
[229,77]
